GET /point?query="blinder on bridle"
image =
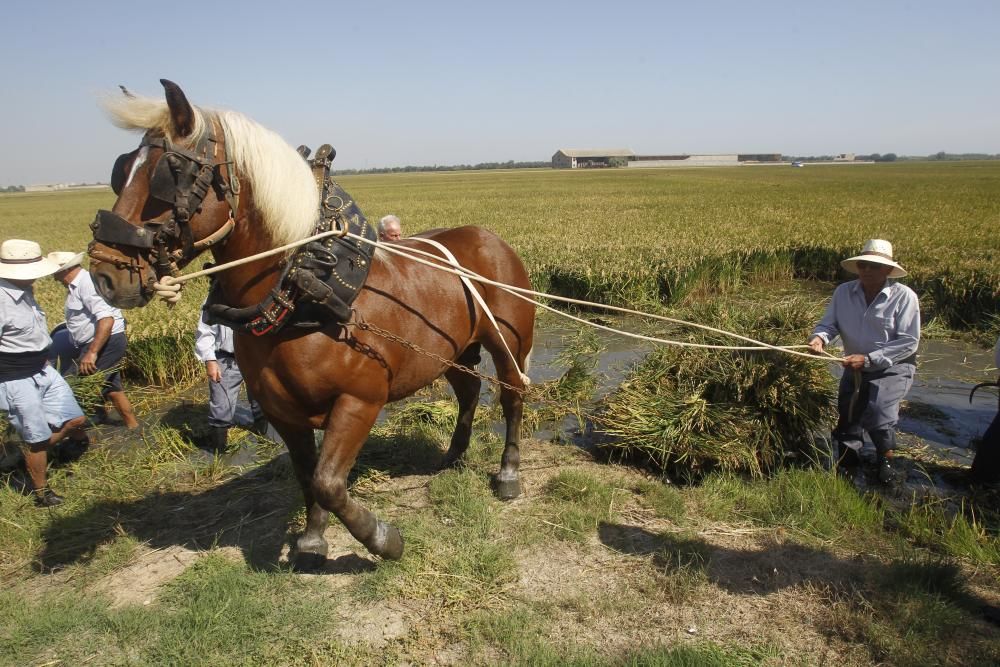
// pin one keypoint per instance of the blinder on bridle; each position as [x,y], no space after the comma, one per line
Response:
[181,178]
[118,171]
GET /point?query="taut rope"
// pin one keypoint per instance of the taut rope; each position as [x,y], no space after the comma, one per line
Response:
[169,290]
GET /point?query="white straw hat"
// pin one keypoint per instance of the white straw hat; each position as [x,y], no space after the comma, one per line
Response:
[66,260]
[876,251]
[22,260]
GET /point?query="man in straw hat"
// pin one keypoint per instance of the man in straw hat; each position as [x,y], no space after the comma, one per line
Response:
[878,320]
[94,337]
[38,402]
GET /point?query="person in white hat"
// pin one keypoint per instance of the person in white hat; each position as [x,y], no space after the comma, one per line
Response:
[389,228]
[38,402]
[878,320]
[94,337]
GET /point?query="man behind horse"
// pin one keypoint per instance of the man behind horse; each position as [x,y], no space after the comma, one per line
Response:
[878,320]
[389,228]
[214,347]
[94,337]
[38,402]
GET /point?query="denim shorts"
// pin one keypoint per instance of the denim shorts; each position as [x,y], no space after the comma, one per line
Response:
[39,404]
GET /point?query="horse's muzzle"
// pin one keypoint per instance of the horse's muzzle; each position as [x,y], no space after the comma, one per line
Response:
[121,289]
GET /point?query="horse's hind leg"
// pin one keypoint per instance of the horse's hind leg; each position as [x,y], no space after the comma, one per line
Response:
[346,430]
[466,388]
[311,548]
[508,483]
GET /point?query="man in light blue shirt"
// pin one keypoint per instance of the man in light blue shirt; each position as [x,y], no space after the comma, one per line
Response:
[94,337]
[878,320]
[35,398]
[214,347]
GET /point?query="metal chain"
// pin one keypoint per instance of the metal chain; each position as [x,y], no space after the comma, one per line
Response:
[525,392]
[388,335]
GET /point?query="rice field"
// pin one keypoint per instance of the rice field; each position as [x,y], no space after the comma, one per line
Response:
[164,556]
[647,237]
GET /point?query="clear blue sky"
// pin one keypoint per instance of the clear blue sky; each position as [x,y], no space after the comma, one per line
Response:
[397,83]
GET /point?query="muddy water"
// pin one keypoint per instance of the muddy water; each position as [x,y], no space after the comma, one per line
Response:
[937,409]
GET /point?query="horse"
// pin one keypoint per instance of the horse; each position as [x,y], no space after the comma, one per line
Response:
[258,193]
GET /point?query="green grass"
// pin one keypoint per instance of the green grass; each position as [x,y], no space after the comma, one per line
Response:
[455,552]
[217,611]
[521,636]
[577,503]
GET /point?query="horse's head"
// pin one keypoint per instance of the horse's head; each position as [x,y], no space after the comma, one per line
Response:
[177,195]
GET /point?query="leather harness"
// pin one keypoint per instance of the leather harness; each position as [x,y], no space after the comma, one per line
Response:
[322,278]
[181,178]
[318,282]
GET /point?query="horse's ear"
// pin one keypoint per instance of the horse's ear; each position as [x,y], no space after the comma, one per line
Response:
[180,109]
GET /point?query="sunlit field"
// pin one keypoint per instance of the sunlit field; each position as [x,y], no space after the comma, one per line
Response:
[165,553]
[640,237]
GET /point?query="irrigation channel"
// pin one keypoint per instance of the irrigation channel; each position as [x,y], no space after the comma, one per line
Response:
[936,415]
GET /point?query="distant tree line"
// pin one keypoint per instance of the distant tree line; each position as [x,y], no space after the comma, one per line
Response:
[892,157]
[510,164]
[12,188]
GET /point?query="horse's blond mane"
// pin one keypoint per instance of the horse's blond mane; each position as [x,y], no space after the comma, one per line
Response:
[284,191]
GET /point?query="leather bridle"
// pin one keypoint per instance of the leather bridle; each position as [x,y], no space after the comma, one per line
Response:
[182,179]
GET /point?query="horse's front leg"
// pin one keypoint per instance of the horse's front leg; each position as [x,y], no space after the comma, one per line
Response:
[311,548]
[347,429]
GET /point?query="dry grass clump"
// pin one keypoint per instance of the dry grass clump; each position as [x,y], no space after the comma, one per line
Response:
[688,411]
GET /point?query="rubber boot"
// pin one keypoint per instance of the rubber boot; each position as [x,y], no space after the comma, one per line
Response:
[219,438]
[885,445]
[260,426]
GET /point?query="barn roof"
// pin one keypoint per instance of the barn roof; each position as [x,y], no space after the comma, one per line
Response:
[596,152]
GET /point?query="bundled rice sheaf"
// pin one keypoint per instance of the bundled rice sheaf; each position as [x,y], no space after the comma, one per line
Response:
[687,411]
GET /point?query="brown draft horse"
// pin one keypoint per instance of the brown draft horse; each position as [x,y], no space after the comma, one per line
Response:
[336,378]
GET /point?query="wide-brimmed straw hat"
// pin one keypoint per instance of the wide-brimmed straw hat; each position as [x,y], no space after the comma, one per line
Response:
[876,251]
[66,260]
[23,260]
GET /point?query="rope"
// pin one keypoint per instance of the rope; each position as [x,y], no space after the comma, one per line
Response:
[169,290]
[523,293]
[482,303]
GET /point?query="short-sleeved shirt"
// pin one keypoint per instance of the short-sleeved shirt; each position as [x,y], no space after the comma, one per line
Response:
[85,308]
[23,327]
[211,339]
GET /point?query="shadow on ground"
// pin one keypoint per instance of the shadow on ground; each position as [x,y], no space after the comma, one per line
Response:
[251,511]
[773,566]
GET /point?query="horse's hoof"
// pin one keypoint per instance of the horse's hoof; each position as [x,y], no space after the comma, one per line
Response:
[389,543]
[309,562]
[507,489]
[453,462]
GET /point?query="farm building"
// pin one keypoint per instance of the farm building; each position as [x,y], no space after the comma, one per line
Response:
[726,160]
[569,158]
[587,158]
